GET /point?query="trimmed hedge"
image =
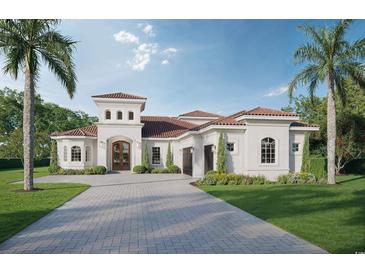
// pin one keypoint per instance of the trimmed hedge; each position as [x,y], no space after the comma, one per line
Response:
[214,178]
[17,163]
[142,169]
[355,167]
[94,170]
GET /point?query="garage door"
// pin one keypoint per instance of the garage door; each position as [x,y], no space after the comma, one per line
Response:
[187,161]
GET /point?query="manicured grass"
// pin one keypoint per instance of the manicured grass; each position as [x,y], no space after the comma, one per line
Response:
[19,209]
[332,217]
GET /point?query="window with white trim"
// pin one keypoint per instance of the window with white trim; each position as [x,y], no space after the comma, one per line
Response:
[120,115]
[230,147]
[108,115]
[87,153]
[156,157]
[65,153]
[130,115]
[295,147]
[75,154]
[268,151]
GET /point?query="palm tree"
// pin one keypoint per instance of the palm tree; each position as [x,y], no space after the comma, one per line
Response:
[331,59]
[25,44]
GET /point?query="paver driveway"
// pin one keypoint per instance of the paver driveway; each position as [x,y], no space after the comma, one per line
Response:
[129,213]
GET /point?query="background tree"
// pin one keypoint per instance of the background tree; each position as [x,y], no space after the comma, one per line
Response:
[169,157]
[145,158]
[49,118]
[221,157]
[330,59]
[25,43]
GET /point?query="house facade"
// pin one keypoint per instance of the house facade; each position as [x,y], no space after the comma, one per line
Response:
[259,141]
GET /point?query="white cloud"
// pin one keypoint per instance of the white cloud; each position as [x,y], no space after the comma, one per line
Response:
[148,29]
[170,51]
[142,56]
[277,91]
[165,62]
[125,37]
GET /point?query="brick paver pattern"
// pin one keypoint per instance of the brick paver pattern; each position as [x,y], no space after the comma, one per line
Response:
[129,213]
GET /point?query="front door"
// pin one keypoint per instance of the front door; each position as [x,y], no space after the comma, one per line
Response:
[121,155]
[208,158]
[187,161]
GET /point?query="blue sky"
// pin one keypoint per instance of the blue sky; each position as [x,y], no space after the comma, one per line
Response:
[220,66]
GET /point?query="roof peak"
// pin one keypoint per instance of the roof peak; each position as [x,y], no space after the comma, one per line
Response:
[199,113]
[119,95]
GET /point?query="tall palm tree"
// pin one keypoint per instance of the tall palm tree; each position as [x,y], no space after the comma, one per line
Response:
[25,44]
[331,59]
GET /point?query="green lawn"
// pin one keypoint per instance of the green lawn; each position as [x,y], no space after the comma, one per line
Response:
[332,217]
[19,209]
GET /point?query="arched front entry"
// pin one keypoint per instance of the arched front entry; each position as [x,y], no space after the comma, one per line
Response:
[121,155]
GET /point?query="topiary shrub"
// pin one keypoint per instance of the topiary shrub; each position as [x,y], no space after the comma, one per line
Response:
[139,169]
[169,157]
[145,158]
[174,169]
[221,155]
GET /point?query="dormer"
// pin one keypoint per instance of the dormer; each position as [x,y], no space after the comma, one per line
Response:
[198,117]
[119,108]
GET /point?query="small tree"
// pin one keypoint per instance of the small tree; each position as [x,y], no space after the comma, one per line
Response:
[305,155]
[221,159]
[169,158]
[145,158]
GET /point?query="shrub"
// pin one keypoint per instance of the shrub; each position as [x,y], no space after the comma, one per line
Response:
[318,166]
[53,169]
[139,169]
[259,180]
[174,169]
[169,157]
[160,170]
[87,171]
[283,179]
[145,158]
[211,172]
[221,155]
[99,169]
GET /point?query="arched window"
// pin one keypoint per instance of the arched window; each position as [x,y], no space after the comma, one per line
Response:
[130,115]
[65,153]
[87,153]
[268,151]
[107,115]
[75,154]
[120,115]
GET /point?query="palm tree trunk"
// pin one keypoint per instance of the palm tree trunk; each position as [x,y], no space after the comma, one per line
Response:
[331,132]
[28,130]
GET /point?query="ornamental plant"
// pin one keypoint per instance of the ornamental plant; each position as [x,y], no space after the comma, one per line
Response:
[221,158]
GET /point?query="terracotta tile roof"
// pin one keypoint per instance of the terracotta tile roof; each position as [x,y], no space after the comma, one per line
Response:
[302,124]
[164,127]
[90,131]
[269,112]
[224,121]
[200,113]
[118,95]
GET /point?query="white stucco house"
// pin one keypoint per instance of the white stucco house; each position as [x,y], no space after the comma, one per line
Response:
[259,141]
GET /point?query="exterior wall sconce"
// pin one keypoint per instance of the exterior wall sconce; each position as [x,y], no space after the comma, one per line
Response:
[102,144]
[191,149]
[214,148]
[138,145]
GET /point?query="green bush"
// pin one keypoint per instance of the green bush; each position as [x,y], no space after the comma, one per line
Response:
[139,169]
[160,170]
[260,180]
[53,169]
[297,178]
[99,169]
[318,166]
[174,169]
[211,172]
[86,171]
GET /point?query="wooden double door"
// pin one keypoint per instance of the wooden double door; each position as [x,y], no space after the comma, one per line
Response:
[188,161]
[121,155]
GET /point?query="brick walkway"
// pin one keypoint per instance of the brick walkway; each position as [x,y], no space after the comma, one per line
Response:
[126,213]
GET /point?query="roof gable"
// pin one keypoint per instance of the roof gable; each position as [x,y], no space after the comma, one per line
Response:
[119,95]
[200,113]
[268,112]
